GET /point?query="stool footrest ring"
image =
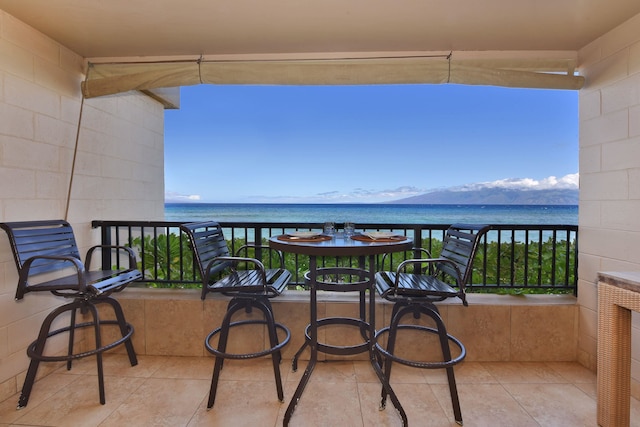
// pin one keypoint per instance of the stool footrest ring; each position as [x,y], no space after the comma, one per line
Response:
[265,352]
[416,364]
[336,349]
[31,349]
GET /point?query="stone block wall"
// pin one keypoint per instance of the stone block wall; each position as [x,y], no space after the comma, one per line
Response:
[609,175]
[118,171]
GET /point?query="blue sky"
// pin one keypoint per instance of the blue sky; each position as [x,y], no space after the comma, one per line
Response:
[365,144]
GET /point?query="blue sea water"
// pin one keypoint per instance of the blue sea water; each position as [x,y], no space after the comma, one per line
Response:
[373,213]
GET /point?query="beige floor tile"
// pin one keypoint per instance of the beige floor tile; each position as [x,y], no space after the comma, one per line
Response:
[590,389]
[403,374]
[116,364]
[465,372]
[260,369]
[555,404]
[330,397]
[240,403]
[84,366]
[635,413]
[167,402]
[419,402]
[42,391]
[573,372]
[325,403]
[365,372]
[78,403]
[121,366]
[523,372]
[485,405]
[330,371]
[185,367]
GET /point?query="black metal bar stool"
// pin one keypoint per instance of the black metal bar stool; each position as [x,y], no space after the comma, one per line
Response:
[49,246]
[415,293]
[248,288]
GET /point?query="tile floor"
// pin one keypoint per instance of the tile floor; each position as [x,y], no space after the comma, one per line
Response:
[172,391]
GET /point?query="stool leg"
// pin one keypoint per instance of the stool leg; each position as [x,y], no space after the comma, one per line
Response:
[271,324]
[446,353]
[123,325]
[233,306]
[36,350]
[214,382]
[276,357]
[31,373]
[396,316]
[294,362]
[96,326]
[72,329]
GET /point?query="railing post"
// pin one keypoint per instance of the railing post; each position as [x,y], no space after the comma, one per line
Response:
[417,243]
[257,232]
[105,237]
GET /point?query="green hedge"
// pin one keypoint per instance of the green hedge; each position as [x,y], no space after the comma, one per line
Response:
[170,259]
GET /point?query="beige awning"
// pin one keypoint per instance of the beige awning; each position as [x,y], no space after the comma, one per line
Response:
[112,78]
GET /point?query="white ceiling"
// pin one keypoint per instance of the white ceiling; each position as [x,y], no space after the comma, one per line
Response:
[135,28]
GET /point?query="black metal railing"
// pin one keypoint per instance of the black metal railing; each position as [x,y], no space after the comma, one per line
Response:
[512,257]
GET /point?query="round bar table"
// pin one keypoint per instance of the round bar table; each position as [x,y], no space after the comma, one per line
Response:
[355,246]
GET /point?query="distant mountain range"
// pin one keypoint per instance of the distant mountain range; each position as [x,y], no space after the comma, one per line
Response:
[495,196]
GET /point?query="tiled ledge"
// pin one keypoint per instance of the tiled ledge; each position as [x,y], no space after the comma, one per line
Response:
[493,327]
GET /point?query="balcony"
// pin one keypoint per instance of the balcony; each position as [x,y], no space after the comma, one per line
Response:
[119,132]
[521,363]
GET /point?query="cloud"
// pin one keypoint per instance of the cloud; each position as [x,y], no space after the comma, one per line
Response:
[566,182]
[357,195]
[363,195]
[329,194]
[172,196]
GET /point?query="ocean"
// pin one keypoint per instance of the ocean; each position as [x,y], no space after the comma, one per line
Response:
[374,213]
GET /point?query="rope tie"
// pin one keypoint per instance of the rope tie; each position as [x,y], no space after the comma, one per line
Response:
[199,61]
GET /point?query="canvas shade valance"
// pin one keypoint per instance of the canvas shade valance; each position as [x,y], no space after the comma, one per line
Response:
[112,78]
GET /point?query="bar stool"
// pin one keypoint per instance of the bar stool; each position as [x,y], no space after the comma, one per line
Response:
[415,294]
[248,289]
